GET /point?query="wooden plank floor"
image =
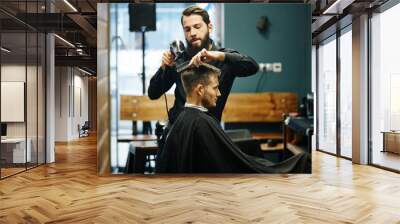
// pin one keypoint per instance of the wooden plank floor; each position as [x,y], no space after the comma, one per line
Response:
[70,191]
[10,171]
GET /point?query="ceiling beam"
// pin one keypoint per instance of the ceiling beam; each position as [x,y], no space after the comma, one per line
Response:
[84,61]
[86,26]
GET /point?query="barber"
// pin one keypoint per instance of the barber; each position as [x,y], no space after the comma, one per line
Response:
[200,48]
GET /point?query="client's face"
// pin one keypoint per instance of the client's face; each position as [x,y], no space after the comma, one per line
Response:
[211,93]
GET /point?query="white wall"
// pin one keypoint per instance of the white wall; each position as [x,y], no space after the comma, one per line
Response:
[71,93]
[61,103]
[12,73]
[33,126]
[80,110]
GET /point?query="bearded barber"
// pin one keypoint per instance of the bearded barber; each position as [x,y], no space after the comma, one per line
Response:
[200,48]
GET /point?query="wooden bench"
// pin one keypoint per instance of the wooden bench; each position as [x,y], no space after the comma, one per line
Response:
[240,107]
[141,108]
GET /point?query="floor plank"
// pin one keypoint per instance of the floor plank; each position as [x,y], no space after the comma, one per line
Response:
[386,159]
[69,191]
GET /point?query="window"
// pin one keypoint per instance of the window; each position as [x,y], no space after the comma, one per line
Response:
[22,74]
[331,136]
[385,84]
[327,95]
[346,93]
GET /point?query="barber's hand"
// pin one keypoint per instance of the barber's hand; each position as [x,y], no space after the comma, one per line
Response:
[206,56]
[167,59]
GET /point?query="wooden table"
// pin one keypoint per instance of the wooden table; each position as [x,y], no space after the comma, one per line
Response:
[275,136]
[135,138]
[391,141]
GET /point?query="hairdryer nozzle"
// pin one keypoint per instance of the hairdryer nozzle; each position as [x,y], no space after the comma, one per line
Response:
[177,48]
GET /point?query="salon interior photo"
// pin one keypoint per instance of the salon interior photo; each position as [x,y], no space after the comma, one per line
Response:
[231,112]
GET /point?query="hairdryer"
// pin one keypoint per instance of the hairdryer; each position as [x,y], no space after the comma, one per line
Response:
[177,49]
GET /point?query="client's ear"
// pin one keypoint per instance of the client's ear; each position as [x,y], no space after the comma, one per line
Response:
[199,90]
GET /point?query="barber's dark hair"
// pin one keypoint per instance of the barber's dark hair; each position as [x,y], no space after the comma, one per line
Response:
[193,76]
[196,10]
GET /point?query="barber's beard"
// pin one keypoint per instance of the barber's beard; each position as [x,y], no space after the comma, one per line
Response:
[204,44]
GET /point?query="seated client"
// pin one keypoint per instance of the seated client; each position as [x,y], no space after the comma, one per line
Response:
[196,142]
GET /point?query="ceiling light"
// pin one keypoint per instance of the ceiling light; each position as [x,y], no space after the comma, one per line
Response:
[337,7]
[86,72]
[5,50]
[70,5]
[329,9]
[65,41]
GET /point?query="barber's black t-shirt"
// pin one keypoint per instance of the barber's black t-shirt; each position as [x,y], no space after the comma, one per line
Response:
[234,65]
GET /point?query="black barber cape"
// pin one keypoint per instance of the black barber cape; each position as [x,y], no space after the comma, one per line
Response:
[197,144]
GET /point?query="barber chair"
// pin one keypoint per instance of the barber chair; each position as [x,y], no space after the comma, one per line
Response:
[243,139]
[84,130]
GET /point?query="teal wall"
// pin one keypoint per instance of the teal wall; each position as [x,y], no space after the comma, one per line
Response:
[287,40]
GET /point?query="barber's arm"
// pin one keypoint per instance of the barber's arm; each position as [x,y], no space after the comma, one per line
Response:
[164,78]
[240,64]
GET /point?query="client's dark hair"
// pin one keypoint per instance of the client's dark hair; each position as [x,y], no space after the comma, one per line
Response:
[194,75]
